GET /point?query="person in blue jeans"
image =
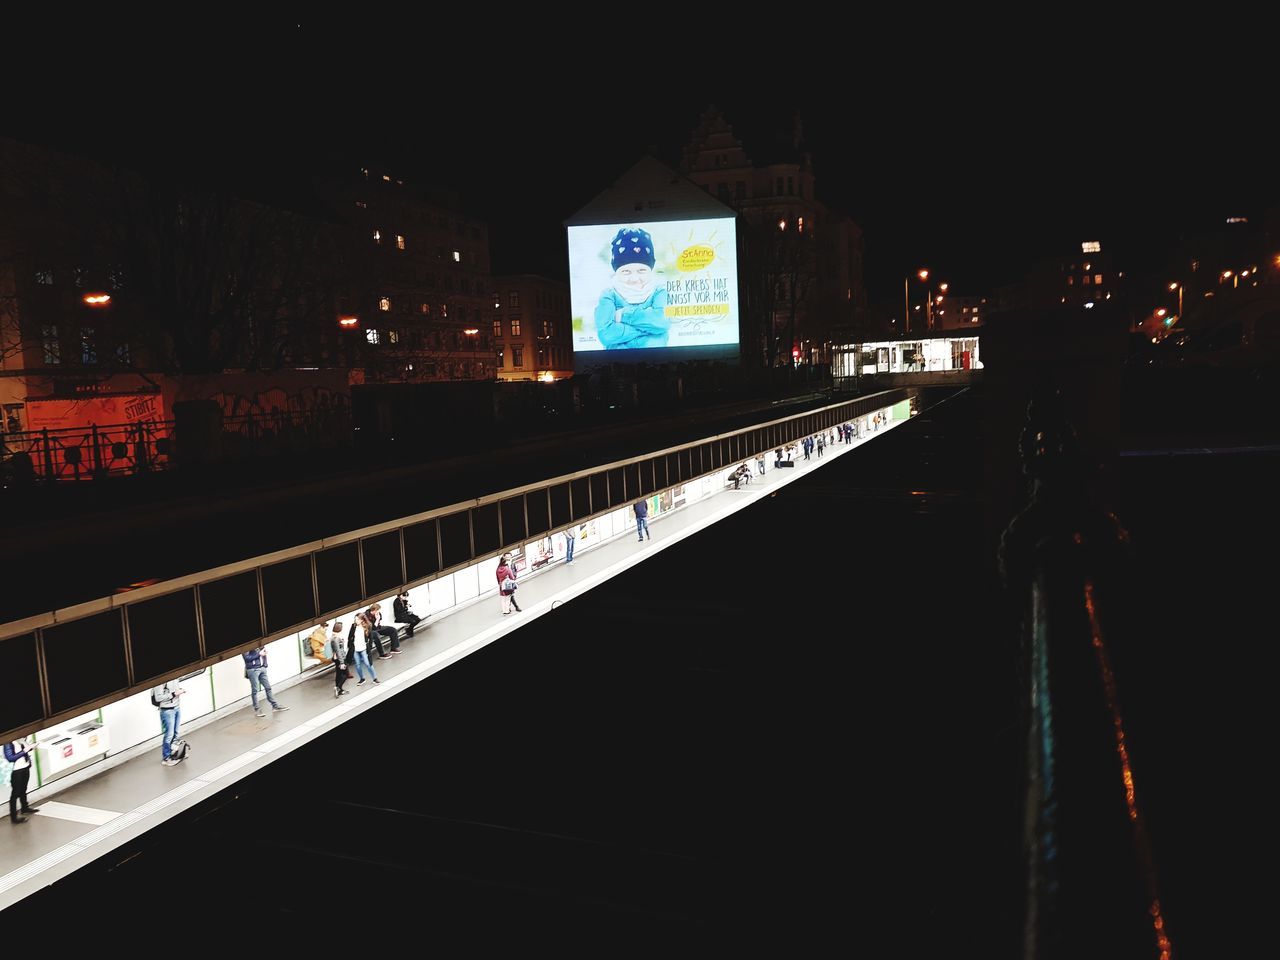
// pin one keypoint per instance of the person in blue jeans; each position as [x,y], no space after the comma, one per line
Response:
[570,538]
[255,671]
[166,697]
[641,507]
[360,649]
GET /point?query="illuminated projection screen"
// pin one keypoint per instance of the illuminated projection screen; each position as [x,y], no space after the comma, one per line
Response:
[654,291]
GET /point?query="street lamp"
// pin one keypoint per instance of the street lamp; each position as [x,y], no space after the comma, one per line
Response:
[1178,287]
[906,298]
[97,299]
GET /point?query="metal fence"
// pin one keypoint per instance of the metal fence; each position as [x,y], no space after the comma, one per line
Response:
[85,453]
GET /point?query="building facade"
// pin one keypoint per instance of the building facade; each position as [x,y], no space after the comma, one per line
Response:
[802,262]
[1084,277]
[421,278]
[530,328]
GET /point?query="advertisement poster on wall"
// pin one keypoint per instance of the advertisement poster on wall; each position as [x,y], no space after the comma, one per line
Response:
[668,500]
[540,552]
[587,533]
[519,561]
[653,285]
[82,414]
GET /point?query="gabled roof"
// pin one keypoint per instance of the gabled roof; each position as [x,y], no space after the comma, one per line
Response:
[650,191]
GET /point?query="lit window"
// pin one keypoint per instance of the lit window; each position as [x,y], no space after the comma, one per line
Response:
[800,224]
[1088,267]
[515,328]
[386,178]
[399,242]
[426,309]
[384,304]
[372,336]
[362,205]
[1088,279]
[1091,246]
[377,236]
[1097,278]
[393,336]
[444,310]
[497,328]
[44,277]
[1070,280]
[457,256]
[52,348]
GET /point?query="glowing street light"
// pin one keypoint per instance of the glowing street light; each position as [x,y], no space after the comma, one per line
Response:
[97,299]
[906,297]
[348,321]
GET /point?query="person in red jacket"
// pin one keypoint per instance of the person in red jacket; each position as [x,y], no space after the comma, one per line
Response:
[507,584]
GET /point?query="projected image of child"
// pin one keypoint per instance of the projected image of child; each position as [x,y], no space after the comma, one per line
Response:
[632,312]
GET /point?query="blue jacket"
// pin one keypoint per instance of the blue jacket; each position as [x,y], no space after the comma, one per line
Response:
[255,658]
[643,324]
[17,750]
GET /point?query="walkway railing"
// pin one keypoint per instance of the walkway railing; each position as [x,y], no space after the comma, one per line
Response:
[1091,883]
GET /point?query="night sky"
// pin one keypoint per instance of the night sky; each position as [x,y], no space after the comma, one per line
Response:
[966,158]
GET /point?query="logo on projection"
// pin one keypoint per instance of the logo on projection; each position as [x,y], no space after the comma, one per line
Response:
[67,751]
[697,257]
[93,740]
